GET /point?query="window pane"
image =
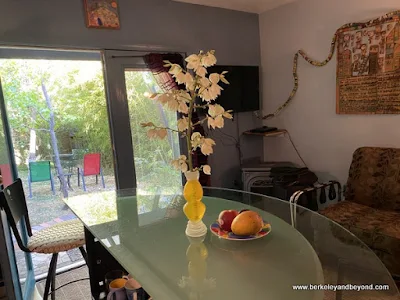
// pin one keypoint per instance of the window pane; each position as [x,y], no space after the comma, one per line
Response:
[154,171]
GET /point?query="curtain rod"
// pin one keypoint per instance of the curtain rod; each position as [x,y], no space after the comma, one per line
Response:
[123,56]
[139,56]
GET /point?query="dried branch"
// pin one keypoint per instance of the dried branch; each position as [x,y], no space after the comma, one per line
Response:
[202,106]
[39,112]
[41,115]
[200,122]
[167,128]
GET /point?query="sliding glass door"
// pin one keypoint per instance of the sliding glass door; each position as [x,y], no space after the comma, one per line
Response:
[16,286]
[54,111]
[144,163]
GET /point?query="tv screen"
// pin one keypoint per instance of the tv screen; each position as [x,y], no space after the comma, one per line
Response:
[242,94]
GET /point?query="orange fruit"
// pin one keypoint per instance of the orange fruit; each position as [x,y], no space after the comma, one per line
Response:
[247,223]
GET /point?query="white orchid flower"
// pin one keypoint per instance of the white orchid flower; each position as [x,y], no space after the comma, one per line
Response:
[206,146]
[157,133]
[222,77]
[164,98]
[152,133]
[209,59]
[184,96]
[196,139]
[180,163]
[173,104]
[180,78]
[217,122]
[201,71]
[227,114]
[207,169]
[183,124]
[183,108]
[205,95]
[197,84]
[193,62]
[162,133]
[204,82]
[215,89]
[214,78]
[189,81]
[175,69]
[215,110]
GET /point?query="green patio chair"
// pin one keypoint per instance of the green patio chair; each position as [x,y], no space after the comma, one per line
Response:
[39,171]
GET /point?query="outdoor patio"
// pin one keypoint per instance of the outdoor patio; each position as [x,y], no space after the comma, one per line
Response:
[46,209]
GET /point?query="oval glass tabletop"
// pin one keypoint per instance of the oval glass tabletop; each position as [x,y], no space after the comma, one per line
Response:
[315,259]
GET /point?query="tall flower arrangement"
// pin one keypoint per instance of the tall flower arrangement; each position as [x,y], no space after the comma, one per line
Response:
[198,84]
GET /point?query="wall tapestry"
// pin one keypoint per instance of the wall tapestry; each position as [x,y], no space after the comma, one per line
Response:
[102,14]
[368,67]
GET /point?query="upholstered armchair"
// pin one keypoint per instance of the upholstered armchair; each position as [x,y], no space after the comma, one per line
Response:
[371,209]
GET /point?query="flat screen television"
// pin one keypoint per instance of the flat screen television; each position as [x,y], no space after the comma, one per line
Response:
[243,92]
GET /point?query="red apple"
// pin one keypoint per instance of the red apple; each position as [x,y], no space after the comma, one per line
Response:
[225,219]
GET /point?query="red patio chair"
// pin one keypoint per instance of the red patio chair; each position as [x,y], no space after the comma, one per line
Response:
[5,172]
[91,166]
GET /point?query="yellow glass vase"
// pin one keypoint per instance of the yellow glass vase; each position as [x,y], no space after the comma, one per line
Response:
[194,209]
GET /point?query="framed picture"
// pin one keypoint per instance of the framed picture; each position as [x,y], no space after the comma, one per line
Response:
[102,14]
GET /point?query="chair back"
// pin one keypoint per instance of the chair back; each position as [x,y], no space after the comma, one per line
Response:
[13,201]
[91,164]
[6,174]
[39,171]
[374,178]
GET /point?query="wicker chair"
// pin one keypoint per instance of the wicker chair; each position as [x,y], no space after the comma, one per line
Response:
[63,236]
[371,209]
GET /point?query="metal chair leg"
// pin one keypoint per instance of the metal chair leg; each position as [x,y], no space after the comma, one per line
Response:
[79,179]
[97,179]
[69,182]
[83,182]
[102,178]
[52,185]
[30,186]
[52,268]
[53,280]
[84,254]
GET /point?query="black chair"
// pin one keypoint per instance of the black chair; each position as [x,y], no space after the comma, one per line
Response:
[60,237]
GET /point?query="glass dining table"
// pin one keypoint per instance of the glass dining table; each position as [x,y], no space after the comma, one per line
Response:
[313,258]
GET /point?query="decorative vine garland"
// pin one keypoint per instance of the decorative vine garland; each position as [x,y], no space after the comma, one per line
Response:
[346,27]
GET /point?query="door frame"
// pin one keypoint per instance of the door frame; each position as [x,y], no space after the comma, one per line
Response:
[12,278]
[7,253]
[119,125]
[115,63]
[118,117]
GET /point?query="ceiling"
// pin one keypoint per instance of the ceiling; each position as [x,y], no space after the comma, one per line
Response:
[253,6]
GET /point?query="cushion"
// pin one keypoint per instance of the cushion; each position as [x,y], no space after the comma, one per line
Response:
[374,178]
[379,229]
[60,237]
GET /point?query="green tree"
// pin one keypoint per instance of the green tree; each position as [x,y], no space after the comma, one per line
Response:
[80,111]
[152,157]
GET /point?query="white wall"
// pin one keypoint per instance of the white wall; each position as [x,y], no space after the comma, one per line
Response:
[325,140]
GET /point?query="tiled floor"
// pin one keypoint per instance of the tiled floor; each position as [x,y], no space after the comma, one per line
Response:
[74,291]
